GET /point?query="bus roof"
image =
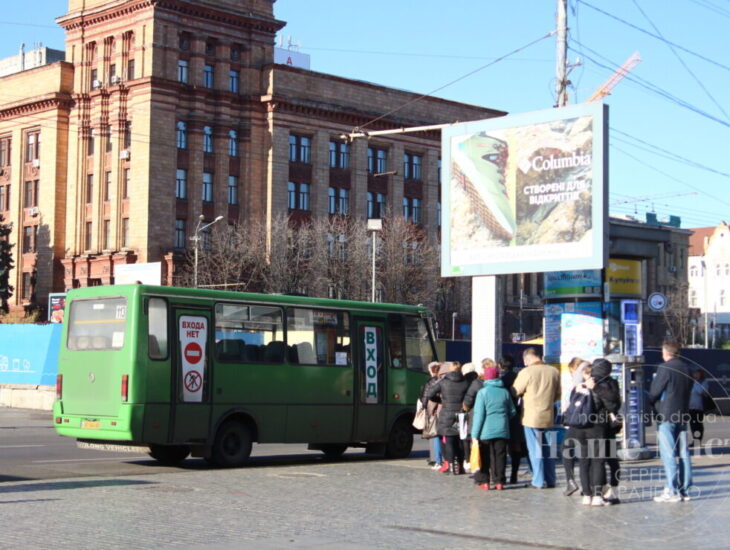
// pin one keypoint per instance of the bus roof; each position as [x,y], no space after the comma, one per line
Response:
[214,294]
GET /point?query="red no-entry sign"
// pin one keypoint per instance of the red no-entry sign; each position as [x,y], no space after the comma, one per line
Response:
[193,353]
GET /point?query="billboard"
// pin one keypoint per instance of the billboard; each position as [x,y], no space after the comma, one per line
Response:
[573,330]
[147,274]
[624,277]
[573,284]
[525,193]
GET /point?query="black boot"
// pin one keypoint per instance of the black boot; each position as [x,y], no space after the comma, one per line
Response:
[458,467]
[570,487]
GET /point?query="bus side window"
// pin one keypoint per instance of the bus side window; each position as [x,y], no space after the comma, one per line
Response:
[157,328]
[395,340]
[419,349]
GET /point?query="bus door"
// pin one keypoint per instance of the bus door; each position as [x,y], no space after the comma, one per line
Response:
[192,346]
[370,407]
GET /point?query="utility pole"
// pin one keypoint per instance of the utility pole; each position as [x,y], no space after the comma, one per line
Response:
[561,57]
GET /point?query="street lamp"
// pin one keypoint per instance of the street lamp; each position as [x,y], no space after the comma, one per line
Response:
[374,225]
[196,239]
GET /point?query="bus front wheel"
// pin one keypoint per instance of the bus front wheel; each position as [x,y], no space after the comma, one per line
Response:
[232,445]
[169,455]
[400,440]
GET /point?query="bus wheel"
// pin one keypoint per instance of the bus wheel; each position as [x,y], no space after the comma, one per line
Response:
[232,445]
[169,455]
[333,450]
[400,440]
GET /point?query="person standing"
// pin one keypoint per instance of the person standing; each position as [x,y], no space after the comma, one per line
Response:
[539,386]
[432,413]
[517,445]
[450,390]
[572,380]
[490,429]
[670,393]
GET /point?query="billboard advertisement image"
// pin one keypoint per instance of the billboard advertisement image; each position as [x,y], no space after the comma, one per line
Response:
[525,193]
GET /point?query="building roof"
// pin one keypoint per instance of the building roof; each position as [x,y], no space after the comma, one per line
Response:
[697,240]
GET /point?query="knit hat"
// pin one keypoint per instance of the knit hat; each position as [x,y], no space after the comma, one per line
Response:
[600,369]
[491,373]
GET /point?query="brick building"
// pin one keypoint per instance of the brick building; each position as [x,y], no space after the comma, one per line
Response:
[168,109]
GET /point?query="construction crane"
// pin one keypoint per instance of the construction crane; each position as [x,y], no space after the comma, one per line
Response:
[605,88]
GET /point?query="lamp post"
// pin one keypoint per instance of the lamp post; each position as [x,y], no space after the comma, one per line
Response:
[196,239]
[374,225]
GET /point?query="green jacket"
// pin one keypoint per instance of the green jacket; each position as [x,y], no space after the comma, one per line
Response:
[492,411]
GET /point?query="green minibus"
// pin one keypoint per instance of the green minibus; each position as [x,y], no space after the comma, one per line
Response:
[181,371]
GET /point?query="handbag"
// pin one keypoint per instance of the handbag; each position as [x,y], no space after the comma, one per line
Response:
[429,430]
[475,461]
[579,413]
[419,421]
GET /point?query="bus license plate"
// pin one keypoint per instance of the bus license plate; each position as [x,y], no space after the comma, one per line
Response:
[91,424]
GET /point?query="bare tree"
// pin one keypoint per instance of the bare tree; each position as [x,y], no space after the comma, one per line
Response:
[287,268]
[677,315]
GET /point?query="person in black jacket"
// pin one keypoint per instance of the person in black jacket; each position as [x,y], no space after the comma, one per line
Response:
[592,439]
[669,393]
[451,390]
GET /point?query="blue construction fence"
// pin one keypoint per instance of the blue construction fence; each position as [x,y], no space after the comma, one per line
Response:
[29,354]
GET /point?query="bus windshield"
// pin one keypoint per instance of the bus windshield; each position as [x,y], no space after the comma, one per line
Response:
[97,324]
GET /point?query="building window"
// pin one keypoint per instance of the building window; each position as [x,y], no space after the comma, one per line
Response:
[30,233]
[234,81]
[208,76]
[339,155]
[693,271]
[438,214]
[376,205]
[128,135]
[184,42]
[107,234]
[30,194]
[130,69]
[90,143]
[232,143]
[182,135]
[27,291]
[235,53]
[179,233]
[298,196]
[108,135]
[692,298]
[210,48]
[299,148]
[107,185]
[339,200]
[5,151]
[722,297]
[207,139]
[32,146]
[88,235]
[412,209]
[4,198]
[125,232]
[112,73]
[182,71]
[181,184]
[89,188]
[207,189]
[412,166]
[94,78]
[232,190]
[125,183]
[377,160]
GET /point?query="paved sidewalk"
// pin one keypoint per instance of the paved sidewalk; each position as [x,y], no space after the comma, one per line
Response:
[353,505]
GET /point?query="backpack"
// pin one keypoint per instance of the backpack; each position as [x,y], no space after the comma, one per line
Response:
[580,410]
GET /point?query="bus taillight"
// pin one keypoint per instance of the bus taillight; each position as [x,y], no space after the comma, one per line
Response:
[125,387]
[59,386]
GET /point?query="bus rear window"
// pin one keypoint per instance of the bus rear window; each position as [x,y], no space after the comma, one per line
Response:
[419,351]
[97,324]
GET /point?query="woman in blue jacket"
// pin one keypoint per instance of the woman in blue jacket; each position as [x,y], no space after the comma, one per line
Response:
[490,429]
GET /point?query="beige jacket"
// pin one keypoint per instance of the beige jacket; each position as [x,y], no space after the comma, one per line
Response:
[539,387]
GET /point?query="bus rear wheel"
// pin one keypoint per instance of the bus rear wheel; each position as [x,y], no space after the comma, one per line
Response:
[400,440]
[333,450]
[169,455]
[232,445]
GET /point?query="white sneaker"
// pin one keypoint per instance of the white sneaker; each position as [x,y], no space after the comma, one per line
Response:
[666,496]
[436,466]
[586,500]
[467,467]
[598,501]
[611,496]
[685,497]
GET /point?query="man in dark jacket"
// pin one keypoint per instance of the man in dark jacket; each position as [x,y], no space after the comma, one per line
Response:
[669,393]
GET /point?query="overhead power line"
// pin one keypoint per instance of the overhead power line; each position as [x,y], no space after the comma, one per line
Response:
[678,46]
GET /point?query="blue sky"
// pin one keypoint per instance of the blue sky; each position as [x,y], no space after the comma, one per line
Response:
[675,103]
